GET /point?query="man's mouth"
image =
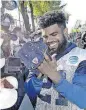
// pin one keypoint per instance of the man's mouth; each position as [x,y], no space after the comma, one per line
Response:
[53,44]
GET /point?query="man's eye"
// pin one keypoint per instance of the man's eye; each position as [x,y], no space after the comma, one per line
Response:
[45,37]
[54,34]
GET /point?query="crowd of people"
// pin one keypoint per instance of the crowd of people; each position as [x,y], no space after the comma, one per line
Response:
[78,38]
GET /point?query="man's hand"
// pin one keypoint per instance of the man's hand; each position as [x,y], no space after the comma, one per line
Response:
[49,68]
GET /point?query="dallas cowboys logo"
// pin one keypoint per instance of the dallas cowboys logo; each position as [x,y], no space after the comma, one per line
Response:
[35,60]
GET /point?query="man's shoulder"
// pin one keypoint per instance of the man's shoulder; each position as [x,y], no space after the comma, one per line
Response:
[78,50]
[79,53]
[75,56]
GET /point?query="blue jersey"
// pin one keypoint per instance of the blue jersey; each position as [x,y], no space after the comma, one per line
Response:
[70,92]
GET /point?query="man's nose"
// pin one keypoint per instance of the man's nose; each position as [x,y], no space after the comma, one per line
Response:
[50,39]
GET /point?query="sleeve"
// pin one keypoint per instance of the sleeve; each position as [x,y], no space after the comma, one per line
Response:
[75,91]
[33,85]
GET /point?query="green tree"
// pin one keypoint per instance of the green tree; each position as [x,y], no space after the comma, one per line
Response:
[41,7]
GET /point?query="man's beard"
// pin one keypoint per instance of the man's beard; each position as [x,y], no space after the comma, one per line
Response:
[60,49]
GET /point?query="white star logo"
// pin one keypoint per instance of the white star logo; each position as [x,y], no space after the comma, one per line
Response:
[35,60]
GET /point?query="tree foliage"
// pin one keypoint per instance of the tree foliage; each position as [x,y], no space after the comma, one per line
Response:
[41,7]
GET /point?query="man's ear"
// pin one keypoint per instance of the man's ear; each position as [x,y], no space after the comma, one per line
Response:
[66,32]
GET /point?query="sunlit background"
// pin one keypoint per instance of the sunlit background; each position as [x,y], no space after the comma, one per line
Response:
[77,9]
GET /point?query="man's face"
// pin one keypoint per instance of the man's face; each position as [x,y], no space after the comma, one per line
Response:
[54,37]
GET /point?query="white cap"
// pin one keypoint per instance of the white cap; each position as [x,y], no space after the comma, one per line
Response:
[8,98]
[13,81]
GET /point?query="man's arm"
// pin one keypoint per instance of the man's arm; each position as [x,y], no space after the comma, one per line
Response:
[75,92]
[33,85]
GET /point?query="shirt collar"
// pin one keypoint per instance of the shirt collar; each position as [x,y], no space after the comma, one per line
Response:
[67,50]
